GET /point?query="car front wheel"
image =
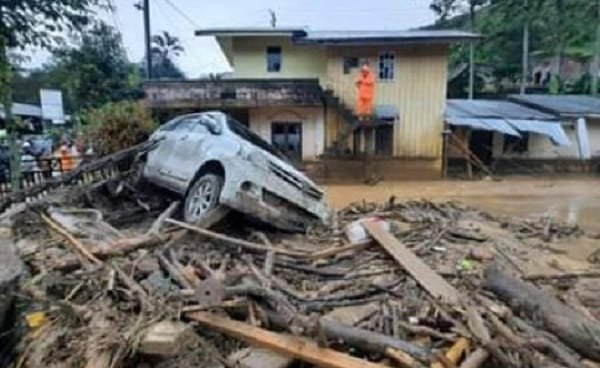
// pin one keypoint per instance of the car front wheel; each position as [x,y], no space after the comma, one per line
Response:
[202,197]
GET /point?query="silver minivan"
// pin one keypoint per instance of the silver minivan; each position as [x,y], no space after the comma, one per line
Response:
[212,160]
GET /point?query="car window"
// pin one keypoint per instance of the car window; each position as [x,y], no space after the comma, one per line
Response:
[200,127]
[238,129]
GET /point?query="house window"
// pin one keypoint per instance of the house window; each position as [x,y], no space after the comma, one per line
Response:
[386,66]
[384,136]
[287,138]
[274,59]
[350,62]
[514,144]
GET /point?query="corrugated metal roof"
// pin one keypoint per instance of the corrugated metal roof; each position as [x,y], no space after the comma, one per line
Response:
[251,31]
[387,112]
[494,109]
[565,105]
[304,35]
[20,109]
[386,36]
[504,117]
[495,125]
[551,129]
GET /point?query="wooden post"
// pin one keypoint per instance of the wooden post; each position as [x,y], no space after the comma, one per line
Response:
[467,145]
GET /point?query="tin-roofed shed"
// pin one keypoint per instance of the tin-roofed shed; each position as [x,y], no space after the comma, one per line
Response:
[580,111]
[499,131]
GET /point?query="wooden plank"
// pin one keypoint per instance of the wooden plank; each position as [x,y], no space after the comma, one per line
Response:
[425,276]
[287,345]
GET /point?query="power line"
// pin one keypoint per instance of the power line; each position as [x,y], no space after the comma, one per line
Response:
[182,14]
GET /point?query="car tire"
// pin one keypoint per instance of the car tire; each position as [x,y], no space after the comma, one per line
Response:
[202,197]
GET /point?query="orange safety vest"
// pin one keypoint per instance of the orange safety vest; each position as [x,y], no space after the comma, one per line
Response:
[66,160]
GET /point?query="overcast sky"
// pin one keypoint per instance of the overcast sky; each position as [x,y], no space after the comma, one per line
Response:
[202,55]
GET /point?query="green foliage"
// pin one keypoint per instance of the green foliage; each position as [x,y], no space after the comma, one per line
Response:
[92,71]
[565,27]
[118,125]
[164,48]
[40,22]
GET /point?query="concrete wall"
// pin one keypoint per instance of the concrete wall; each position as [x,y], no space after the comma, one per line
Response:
[593,126]
[313,133]
[249,58]
[418,91]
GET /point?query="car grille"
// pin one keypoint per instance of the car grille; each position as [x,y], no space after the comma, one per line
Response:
[304,186]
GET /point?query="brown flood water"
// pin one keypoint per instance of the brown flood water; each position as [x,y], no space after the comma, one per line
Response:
[571,199]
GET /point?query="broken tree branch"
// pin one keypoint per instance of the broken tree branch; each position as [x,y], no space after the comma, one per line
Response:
[72,240]
[572,327]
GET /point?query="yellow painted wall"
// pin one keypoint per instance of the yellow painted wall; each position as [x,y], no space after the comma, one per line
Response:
[297,61]
[311,118]
[418,90]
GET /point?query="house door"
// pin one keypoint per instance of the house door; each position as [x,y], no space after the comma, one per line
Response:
[287,137]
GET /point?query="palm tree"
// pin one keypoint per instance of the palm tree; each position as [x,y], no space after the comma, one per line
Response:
[164,48]
[166,45]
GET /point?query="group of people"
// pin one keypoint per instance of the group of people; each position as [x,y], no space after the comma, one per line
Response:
[40,157]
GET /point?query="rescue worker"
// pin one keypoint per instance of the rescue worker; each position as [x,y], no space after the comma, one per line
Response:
[366,90]
[67,162]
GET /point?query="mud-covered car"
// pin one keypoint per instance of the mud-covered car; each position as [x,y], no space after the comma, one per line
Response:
[212,160]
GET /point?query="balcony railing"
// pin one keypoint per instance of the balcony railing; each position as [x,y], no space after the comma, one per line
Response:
[233,93]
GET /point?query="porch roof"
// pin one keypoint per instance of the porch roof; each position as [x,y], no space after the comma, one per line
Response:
[563,105]
[504,117]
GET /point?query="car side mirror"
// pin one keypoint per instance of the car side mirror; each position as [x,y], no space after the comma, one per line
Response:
[215,128]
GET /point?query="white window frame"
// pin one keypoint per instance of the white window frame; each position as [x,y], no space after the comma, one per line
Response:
[386,57]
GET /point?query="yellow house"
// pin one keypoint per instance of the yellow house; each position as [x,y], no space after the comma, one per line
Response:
[296,88]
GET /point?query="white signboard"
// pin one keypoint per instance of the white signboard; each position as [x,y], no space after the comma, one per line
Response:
[52,105]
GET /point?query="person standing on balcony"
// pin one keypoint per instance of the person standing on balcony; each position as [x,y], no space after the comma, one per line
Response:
[366,91]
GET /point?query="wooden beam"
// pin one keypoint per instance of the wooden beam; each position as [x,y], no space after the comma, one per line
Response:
[251,246]
[425,276]
[287,345]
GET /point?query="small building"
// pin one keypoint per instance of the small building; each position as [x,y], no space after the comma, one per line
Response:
[506,137]
[296,89]
[579,114]
[30,114]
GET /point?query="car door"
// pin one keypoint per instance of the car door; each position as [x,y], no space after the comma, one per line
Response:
[159,169]
[188,153]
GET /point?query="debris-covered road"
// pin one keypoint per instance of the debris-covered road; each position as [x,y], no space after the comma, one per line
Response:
[114,279]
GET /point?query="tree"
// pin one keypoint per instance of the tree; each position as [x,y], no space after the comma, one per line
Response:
[164,48]
[94,71]
[37,23]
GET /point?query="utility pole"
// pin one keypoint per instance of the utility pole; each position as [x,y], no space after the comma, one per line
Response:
[472,51]
[525,57]
[596,68]
[146,9]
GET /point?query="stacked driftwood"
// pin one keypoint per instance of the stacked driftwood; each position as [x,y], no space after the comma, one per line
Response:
[115,280]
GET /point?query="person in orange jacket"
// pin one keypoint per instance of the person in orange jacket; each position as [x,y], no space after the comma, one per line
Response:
[366,90]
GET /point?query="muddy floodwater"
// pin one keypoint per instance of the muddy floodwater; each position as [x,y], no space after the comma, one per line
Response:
[571,199]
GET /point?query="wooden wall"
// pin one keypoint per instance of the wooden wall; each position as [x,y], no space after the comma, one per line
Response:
[418,91]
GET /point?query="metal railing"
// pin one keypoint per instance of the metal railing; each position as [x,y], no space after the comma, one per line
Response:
[36,171]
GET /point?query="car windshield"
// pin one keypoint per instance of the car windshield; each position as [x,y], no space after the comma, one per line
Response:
[240,130]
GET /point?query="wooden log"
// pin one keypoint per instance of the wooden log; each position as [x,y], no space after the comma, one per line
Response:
[79,247]
[422,273]
[475,359]
[369,341]
[404,360]
[250,246]
[287,345]
[455,352]
[574,328]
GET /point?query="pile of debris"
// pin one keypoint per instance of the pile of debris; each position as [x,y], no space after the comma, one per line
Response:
[112,279]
